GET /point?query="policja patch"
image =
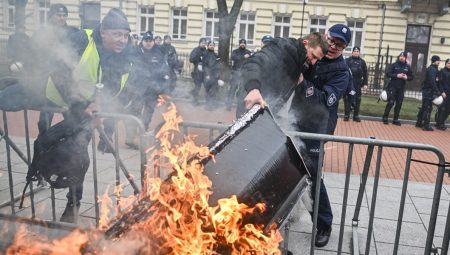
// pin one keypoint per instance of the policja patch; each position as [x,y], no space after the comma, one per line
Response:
[309,91]
[331,99]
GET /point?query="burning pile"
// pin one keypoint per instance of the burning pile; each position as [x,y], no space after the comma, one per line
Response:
[173,215]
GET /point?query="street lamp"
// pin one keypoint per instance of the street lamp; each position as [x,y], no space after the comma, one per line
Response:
[303,15]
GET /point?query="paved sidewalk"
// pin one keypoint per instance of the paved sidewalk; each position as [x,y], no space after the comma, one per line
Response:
[418,201]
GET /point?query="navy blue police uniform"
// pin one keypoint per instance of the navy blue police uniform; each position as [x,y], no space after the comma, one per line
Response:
[429,91]
[358,68]
[444,109]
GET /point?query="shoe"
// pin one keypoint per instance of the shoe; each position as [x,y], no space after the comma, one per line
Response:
[427,128]
[68,214]
[346,118]
[397,123]
[322,237]
[103,147]
[356,119]
[132,145]
[385,121]
[419,124]
[441,127]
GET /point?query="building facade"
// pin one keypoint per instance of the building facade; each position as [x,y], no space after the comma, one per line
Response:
[420,27]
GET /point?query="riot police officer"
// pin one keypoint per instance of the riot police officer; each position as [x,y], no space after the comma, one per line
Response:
[359,72]
[399,73]
[238,56]
[197,74]
[444,85]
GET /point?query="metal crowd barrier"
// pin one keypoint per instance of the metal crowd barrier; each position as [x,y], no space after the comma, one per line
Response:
[144,139]
[371,143]
[216,129]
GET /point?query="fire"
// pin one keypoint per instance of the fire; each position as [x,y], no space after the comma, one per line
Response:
[179,219]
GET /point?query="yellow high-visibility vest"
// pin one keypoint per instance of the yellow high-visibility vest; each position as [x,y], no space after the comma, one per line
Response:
[86,75]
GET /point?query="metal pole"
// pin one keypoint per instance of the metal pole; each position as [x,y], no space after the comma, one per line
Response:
[377,68]
[303,15]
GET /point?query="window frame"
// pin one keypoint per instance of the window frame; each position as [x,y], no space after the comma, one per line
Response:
[183,20]
[10,14]
[355,29]
[147,16]
[318,26]
[282,25]
[214,22]
[42,11]
[247,22]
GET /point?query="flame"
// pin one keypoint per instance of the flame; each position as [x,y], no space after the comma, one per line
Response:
[180,220]
[106,205]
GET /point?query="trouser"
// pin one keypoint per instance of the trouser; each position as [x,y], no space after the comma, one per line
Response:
[78,194]
[395,96]
[198,80]
[354,101]
[425,110]
[211,88]
[234,84]
[142,107]
[443,112]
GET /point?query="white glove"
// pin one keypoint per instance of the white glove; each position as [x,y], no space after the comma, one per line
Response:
[166,77]
[220,83]
[352,92]
[207,77]
[200,67]
[16,67]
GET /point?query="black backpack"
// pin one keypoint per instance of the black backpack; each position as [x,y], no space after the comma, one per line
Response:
[61,154]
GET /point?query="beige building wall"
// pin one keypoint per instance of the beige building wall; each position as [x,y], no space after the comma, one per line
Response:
[335,11]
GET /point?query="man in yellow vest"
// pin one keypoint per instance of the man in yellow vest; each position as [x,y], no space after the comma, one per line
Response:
[103,59]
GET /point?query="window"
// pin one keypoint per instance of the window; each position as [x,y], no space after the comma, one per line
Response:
[247,27]
[90,14]
[317,24]
[282,26]
[147,19]
[212,26]
[43,8]
[357,29]
[179,23]
[11,13]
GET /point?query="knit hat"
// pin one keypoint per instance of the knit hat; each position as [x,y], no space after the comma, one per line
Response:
[435,58]
[147,36]
[403,53]
[115,19]
[55,8]
[356,48]
[242,41]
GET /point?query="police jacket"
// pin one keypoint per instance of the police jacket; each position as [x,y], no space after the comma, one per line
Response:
[316,101]
[196,56]
[211,65]
[95,63]
[430,84]
[18,48]
[444,80]
[275,70]
[359,71]
[397,68]
[237,56]
[150,69]
[172,57]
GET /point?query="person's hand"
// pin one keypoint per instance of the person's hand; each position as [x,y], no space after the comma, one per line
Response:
[254,97]
[352,92]
[444,95]
[400,75]
[246,55]
[91,110]
[364,88]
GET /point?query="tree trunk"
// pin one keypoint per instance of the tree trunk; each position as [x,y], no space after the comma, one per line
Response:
[227,21]
[19,19]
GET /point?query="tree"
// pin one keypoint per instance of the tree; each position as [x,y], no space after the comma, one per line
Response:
[227,20]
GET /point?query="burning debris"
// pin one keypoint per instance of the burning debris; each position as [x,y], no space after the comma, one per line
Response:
[176,216]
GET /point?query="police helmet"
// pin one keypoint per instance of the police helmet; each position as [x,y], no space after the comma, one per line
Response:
[438,100]
[383,96]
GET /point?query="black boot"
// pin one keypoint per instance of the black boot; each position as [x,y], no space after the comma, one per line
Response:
[322,237]
[356,118]
[68,214]
[427,128]
[346,118]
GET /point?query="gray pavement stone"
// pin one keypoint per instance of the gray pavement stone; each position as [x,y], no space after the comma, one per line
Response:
[440,224]
[388,248]
[390,211]
[386,193]
[418,189]
[412,234]
[423,205]
[336,196]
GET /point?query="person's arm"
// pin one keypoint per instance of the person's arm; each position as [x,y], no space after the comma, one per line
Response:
[410,74]
[390,72]
[364,73]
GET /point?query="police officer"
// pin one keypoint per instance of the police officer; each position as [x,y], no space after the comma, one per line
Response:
[149,79]
[399,73]
[429,90]
[197,74]
[265,40]
[103,58]
[444,85]
[238,56]
[211,68]
[172,58]
[314,105]
[359,72]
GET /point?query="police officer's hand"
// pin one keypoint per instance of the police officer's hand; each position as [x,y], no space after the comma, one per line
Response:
[254,97]
[364,88]
[444,95]
[246,55]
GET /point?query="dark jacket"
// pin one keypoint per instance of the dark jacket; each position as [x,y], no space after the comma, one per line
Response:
[275,70]
[211,65]
[430,84]
[444,81]
[19,48]
[237,56]
[396,68]
[172,58]
[359,71]
[316,103]
[196,56]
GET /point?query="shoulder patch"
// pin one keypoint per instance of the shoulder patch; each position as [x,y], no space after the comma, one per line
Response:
[331,99]
[309,91]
